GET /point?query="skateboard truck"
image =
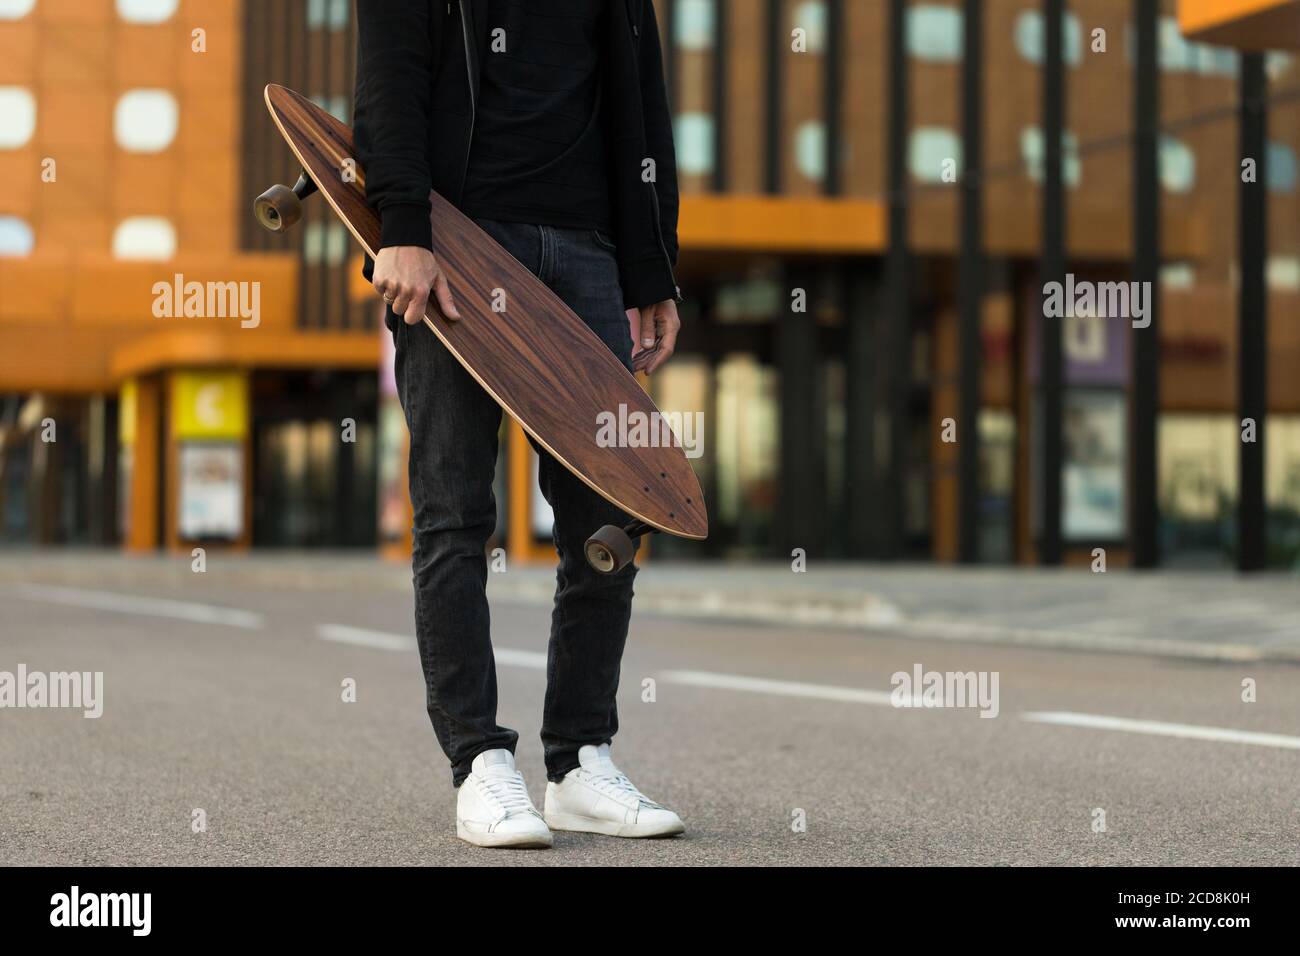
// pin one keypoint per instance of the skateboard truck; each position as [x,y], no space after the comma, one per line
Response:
[611,549]
[280,207]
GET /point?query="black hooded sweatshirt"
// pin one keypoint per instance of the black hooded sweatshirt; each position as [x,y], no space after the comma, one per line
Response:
[418,77]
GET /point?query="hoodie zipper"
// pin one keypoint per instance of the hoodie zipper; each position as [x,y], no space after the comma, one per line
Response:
[473,100]
[654,193]
[659,234]
[473,116]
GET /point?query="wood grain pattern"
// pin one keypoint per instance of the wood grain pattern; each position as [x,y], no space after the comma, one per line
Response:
[537,359]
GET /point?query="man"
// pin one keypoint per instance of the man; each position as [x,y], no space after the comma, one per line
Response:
[546,122]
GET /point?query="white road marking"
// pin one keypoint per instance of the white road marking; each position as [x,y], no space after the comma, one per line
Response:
[342,634]
[1061,718]
[783,688]
[386,641]
[1161,729]
[851,611]
[135,604]
[513,657]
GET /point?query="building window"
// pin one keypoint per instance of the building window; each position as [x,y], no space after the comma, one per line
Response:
[934,33]
[144,237]
[810,150]
[146,11]
[1283,273]
[325,242]
[1216,60]
[334,104]
[929,149]
[693,133]
[1177,54]
[810,17]
[15,9]
[145,121]
[1178,275]
[1177,165]
[1282,488]
[1031,38]
[331,14]
[16,238]
[693,24]
[1277,64]
[17,116]
[1032,148]
[1198,481]
[1281,168]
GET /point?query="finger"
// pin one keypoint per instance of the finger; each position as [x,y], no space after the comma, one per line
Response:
[415,310]
[419,306]
[648,327]
[668,341]
[416,304]
[401,301]
[665,350]
[643,359]
[442,290]
[383,287]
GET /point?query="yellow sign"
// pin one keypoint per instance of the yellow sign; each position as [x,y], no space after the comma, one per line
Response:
[126,414]
[209,405]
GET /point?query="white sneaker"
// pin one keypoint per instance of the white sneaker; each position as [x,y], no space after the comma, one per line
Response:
[493,808]
[597,797]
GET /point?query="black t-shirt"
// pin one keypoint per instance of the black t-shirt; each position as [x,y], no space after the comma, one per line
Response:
[538,149]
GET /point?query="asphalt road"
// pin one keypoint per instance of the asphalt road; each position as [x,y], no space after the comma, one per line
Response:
[229,700]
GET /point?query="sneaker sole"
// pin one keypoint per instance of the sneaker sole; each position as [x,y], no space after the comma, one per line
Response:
[516,841]
[636,831]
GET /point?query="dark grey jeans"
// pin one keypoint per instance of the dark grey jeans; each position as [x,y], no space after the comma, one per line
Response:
[454,425]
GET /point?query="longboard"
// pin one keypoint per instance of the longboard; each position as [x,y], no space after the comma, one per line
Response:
[537,359]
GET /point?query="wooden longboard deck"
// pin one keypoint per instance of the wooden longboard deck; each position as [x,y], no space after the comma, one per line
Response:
[539,361]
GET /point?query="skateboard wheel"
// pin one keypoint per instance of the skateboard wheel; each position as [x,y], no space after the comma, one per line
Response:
[609,550]
[277,209]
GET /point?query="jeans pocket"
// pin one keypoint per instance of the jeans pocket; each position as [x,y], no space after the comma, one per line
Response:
[604,241]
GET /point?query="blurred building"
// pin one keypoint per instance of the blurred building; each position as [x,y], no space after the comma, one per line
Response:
[833,366]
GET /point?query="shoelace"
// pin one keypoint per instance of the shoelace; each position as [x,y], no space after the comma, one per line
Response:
[507,789]
[615,783]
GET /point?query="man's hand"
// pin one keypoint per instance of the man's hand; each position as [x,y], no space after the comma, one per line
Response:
[405,275]
[658,325]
